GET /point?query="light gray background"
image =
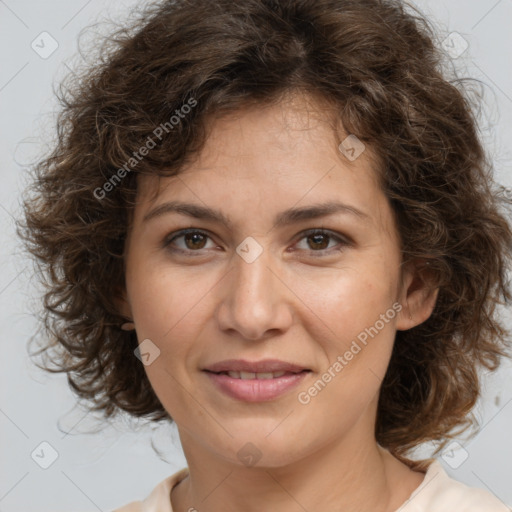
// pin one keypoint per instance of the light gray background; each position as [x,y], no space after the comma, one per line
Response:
[115,465]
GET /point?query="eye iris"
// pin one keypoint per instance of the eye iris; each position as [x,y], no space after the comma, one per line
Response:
[318,239]
[195,237]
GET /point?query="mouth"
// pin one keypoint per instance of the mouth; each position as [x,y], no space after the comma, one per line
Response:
[261,381]
[263,367]
[257,375]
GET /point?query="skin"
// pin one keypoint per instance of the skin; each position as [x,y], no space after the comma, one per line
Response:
[303,300]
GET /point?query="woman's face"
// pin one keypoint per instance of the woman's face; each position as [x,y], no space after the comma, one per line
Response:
[262,286]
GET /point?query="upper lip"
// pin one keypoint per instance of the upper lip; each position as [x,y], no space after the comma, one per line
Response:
[264,366]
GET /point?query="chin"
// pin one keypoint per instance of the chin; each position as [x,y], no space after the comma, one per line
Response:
[257,450]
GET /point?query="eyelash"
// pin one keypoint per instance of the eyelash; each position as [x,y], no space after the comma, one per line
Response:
[343,241]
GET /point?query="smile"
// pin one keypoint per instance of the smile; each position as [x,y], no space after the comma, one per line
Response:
[256,387]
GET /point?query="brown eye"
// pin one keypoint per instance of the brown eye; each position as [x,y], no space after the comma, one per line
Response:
[322,243]
[195,240]
[318,240]
[191,240]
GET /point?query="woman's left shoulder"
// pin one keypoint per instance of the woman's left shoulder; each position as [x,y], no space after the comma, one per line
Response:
[441,493]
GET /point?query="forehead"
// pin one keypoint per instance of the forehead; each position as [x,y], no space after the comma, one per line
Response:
[273,156]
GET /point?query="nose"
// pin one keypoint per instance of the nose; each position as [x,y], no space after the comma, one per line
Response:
[256,302]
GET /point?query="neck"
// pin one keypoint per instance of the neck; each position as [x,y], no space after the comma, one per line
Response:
[351,475]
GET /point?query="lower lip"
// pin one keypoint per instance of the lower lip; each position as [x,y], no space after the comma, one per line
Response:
[256,390]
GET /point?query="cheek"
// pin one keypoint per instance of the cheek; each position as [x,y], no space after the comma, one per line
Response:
[165,299]
[165,307]
[357,343]
[159,307]
[346,303]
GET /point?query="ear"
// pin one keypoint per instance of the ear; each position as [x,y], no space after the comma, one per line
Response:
[122,305]
[417,295]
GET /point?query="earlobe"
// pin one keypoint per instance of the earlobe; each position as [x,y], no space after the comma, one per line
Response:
[419,295]
[128,326]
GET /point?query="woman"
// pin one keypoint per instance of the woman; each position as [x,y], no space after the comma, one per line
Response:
[274,224]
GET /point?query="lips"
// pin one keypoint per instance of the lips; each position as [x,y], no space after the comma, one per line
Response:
[257,381]
[256,390]
[253,375]
[265,366]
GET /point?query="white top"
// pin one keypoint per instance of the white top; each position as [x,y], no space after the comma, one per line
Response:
[437,493]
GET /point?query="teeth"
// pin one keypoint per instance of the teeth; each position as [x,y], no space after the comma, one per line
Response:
[251,375]
[265,375]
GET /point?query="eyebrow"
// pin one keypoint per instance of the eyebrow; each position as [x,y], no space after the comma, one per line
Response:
[287,217]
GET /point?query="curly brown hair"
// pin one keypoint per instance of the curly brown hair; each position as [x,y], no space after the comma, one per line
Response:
[376,64]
